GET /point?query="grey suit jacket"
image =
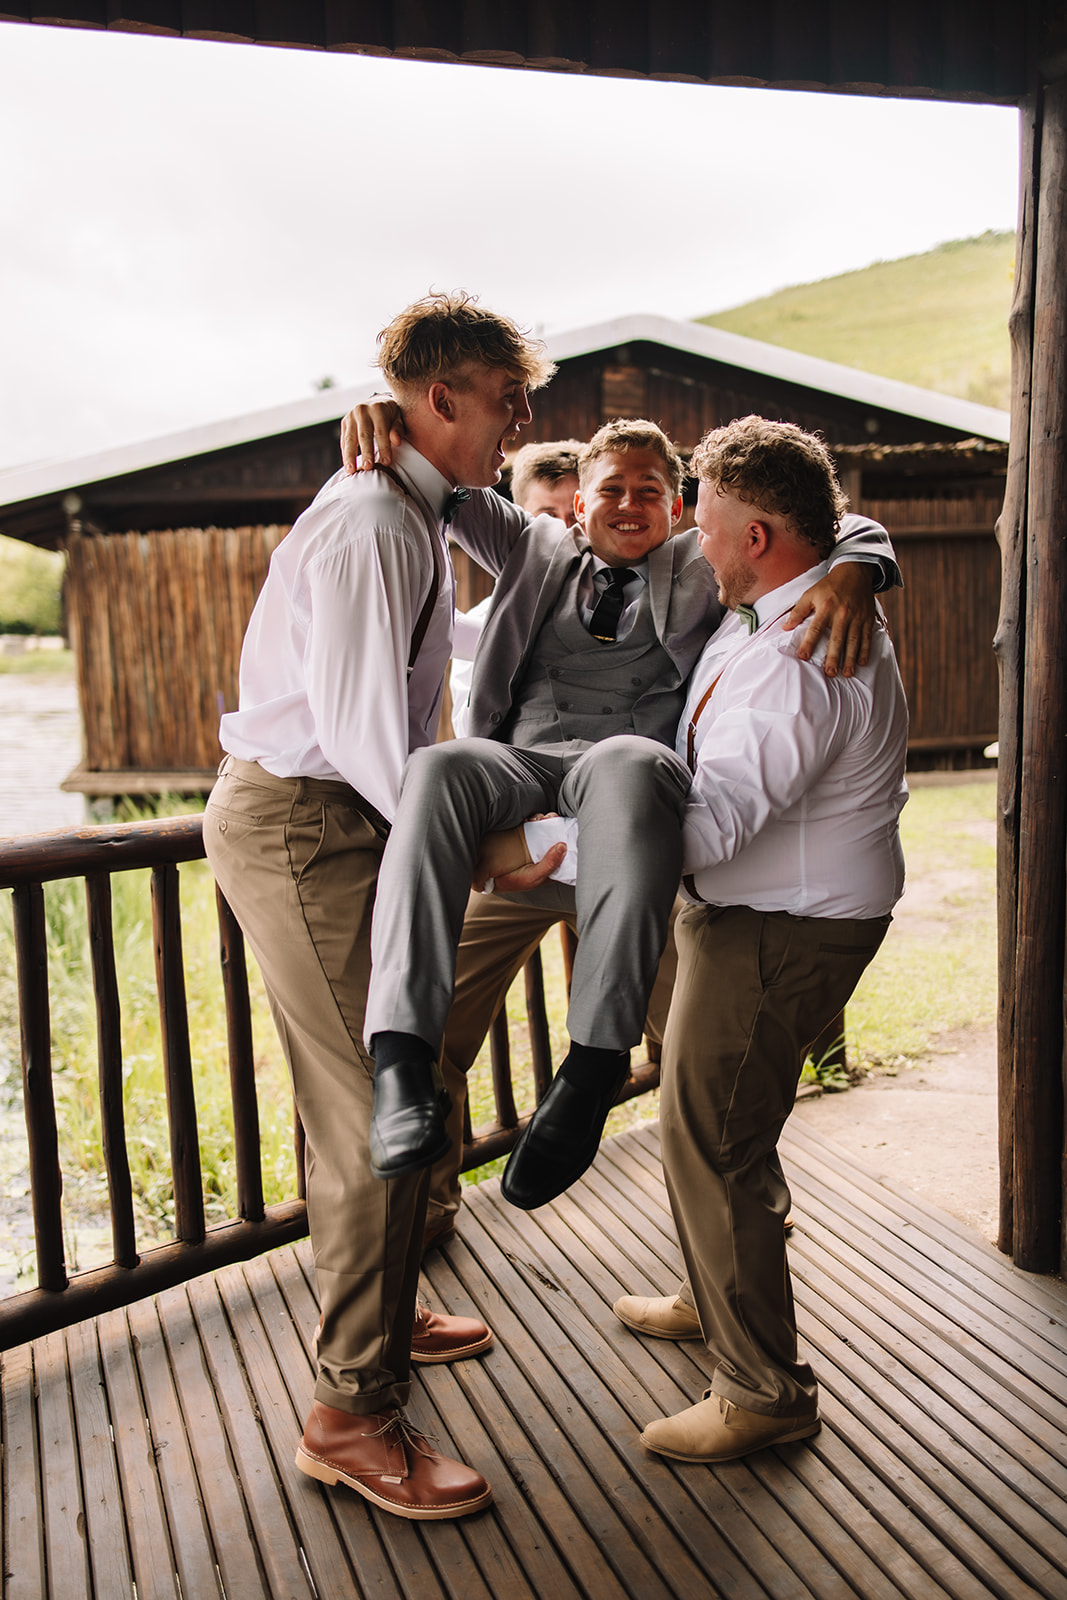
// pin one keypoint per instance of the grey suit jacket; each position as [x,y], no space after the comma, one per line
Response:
[530,557]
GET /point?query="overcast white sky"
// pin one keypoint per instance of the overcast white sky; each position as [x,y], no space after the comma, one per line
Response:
[191,231]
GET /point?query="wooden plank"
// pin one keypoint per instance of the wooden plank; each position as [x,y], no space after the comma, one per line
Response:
[986,1344]
[235,1548]
[1037,1240]
[265,1506]
[20,1489]
[272,1352]
[584,1526]
[963,1556]
[138,1454]
[688,1366]
[66,1548]
[561,1355]
[950,1418]
[1017,1331]
[333,1545]
[932,1236]
[105,1514]
[402,1540]
[750,1518]
[183,1495]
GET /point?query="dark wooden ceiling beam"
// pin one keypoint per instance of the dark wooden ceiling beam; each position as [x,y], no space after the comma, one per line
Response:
[949,49]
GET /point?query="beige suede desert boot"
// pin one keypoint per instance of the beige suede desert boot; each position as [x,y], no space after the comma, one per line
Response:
[664,1317]
[717,1430]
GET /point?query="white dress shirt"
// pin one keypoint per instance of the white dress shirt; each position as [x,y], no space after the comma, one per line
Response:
[799,778]
[324,685]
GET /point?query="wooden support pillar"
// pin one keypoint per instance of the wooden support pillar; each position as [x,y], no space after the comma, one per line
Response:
[1010,652]
[1037,1126]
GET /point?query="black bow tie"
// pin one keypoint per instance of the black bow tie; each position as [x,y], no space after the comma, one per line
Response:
[457,498]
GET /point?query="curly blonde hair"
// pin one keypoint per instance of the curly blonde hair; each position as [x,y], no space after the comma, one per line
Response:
[778,468]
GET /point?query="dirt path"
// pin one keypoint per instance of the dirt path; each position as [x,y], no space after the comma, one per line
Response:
[932,1128]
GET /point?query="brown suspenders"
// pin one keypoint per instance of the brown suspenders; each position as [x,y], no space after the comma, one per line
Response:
[419,631]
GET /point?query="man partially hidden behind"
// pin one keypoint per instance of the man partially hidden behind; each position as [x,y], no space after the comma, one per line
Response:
[792,868]
[341,678]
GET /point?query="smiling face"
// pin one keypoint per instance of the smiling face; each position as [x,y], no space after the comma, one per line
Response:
[723,521]
[485,408]
[627,505]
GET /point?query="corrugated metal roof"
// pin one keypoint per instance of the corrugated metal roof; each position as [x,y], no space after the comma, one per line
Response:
[952,49]
[730,349]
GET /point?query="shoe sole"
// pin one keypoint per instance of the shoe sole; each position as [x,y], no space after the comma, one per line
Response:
[460,1353]
[427,1160]
[656,1333]
[805,1432]
[323,1472]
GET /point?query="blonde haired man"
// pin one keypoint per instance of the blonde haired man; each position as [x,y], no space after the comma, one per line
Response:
[341,678]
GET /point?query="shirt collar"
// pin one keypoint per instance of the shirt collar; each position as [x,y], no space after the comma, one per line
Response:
[776,602]
[431,484]
[638,568]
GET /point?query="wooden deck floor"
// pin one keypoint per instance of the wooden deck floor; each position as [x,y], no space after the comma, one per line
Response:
[150,1453]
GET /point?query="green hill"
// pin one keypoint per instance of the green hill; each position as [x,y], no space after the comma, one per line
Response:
[939,320]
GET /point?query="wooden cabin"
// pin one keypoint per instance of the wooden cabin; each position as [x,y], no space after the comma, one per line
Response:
[168,541]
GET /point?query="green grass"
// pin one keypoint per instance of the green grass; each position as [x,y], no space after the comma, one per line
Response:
[939,320]
[38,664]
[30,582]
[937,968]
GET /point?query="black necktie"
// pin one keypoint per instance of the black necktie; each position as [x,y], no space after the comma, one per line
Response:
[604,622]
[457,498]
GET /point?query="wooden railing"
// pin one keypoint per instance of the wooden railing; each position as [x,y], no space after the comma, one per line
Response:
[94,854]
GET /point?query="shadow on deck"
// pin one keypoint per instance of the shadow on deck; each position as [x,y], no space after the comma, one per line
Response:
[150,1452]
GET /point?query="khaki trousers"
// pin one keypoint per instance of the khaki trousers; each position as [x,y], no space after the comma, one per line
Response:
[500,934]
[298,864]
[754,989]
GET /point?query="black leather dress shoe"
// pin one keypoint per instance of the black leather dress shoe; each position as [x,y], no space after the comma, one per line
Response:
[560,1140]
[407,1129]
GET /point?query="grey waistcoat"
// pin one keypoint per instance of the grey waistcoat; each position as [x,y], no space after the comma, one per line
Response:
[577,691]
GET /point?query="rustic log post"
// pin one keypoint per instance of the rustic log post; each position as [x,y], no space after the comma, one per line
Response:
[109,1068]
[1008,646]
[1039,986]
[177,1062]
[500,1062]
[242,1064]
[536,1016]
[46,1180]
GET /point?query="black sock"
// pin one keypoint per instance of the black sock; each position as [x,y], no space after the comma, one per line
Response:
[589,1067]
[390,1048]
